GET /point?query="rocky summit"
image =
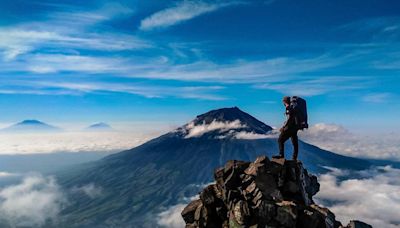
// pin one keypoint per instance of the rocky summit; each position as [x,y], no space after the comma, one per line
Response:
[264,193]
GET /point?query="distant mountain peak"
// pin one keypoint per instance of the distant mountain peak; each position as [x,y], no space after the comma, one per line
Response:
[223,115]
[225,122]
[31,125]
[30,122]
[100,126]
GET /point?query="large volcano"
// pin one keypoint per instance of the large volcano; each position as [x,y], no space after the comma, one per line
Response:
[139,183]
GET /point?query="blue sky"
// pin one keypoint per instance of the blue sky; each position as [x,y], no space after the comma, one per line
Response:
[170,60]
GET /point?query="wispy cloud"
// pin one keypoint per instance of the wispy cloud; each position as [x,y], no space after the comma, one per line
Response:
[80,86]
[91,190]
[67,29]
[193,130]
[262,70]
[23,39]
[382,29]
[305,86]
[379,97]
[182,11]
[90,17]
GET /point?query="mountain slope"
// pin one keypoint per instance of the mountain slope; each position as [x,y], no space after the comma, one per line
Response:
[139,183]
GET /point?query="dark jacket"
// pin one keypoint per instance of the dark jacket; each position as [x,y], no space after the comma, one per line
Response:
[290,123]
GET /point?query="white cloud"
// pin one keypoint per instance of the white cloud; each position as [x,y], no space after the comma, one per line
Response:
[22,39]
[44,63]
[264,70]
[312,87]
[85,18]
[228,129]
[32,202]
[7,174]
[339,140]
[90,190]
[172,218]
[374,198]
[145,90]
[61,32]
[198,130]
[182,11]
[378,97]
[251,135]
[31,143]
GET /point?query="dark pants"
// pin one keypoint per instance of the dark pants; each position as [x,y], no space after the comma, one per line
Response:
[285,135]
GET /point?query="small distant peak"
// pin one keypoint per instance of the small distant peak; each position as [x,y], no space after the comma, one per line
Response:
[100,126]
[31,125]
[31,122]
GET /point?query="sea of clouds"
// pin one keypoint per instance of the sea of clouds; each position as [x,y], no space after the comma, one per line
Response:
[32,143]
[37,200]
[371,195]
[338,139]
[32,202]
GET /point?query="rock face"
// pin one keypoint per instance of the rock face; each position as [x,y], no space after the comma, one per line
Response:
[264,193]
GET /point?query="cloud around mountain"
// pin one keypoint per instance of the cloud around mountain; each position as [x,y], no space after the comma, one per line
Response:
[373,196]
[338,139]
[229,129]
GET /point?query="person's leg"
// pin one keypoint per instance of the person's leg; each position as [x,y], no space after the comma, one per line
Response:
[295,142]
[281,141]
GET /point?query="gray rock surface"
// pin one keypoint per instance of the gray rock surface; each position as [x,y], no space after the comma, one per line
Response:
[264,193]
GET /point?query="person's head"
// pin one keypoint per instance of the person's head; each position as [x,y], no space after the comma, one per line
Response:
[286,101]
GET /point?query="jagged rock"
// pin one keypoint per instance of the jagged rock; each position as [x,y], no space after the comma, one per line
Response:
[188,213]
[286,214]
[274,193]
[357,224]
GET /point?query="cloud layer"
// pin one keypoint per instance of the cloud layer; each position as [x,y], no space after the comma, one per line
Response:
[172,218]
[70,142]
[33,202]
[91,190]
[374,197]
[338,139]
[201,129]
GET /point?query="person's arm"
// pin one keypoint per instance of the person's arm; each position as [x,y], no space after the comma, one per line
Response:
[290,119]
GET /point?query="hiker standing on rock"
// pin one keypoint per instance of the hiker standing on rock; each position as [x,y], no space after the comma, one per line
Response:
[296,119]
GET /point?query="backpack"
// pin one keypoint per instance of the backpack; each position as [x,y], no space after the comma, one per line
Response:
[299,106]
